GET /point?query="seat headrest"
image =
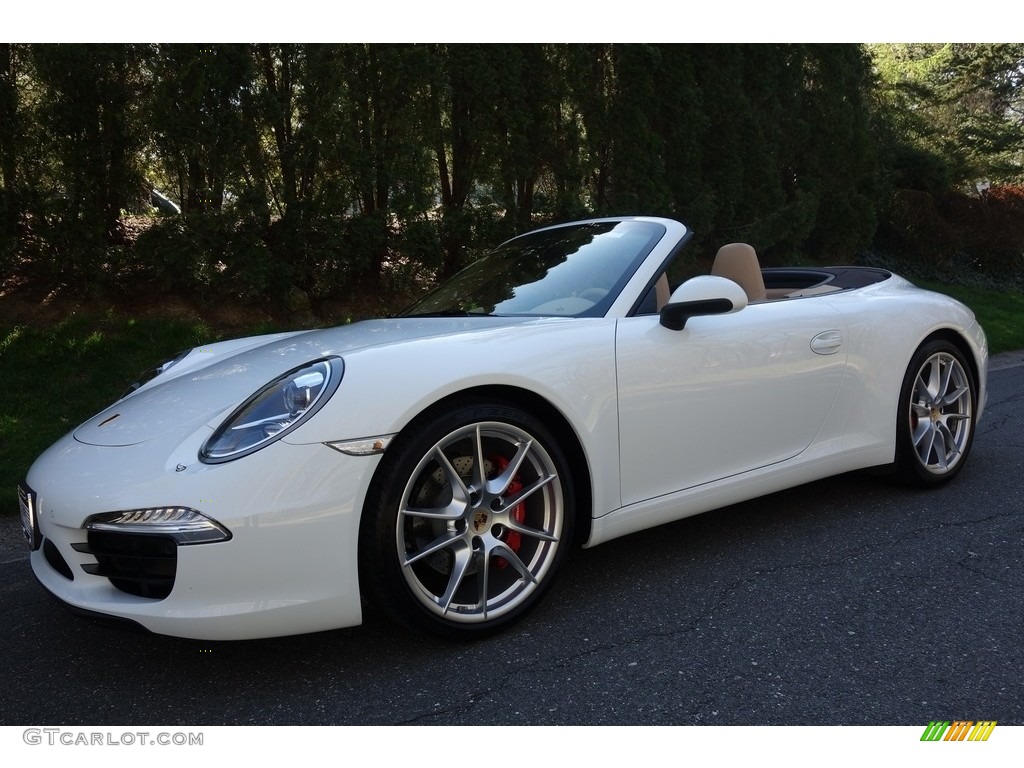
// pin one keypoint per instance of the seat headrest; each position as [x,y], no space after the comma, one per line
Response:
[738,262]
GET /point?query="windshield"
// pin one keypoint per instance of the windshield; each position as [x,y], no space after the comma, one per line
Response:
[573,271]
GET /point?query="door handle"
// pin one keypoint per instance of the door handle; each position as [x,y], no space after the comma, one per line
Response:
[827,342]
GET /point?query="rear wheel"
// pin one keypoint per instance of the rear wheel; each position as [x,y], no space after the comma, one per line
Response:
[468,520]
[935,426]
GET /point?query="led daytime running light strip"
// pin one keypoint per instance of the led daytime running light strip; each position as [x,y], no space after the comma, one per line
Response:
[185,525]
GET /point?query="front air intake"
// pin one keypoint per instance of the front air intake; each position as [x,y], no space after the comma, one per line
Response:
[142,564]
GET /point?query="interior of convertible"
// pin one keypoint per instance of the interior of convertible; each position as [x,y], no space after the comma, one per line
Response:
[738,262]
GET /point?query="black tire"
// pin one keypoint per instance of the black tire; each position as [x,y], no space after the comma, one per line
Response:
[935,421]
[456,552]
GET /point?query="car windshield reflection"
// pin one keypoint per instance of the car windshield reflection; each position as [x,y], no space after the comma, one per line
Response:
[573,271]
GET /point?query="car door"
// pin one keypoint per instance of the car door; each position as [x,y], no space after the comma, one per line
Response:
[726,394]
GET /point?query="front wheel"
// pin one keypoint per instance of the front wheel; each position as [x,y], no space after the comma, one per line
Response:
[935,425]
[467,521]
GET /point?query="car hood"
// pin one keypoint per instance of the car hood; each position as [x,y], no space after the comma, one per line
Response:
[211,381]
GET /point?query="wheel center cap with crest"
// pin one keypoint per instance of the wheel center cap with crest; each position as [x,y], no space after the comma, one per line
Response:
[481,519]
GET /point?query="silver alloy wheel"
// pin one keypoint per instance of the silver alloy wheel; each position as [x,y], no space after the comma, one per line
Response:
[480,522]
[941,412]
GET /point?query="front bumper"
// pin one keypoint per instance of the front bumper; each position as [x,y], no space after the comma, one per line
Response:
[290,565]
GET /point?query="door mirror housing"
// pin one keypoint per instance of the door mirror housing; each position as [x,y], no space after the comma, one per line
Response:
[702,295]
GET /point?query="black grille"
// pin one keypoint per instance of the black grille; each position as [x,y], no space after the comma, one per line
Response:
[142,564]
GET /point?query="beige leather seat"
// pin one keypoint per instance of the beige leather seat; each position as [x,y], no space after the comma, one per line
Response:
[738,262]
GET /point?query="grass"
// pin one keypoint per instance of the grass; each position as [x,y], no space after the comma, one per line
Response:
[53,378]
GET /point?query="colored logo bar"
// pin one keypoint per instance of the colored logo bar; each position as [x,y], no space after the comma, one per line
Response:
[958,730]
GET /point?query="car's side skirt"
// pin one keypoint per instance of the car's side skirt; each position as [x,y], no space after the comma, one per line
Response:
[733,490]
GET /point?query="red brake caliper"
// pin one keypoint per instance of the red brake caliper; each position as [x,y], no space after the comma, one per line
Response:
[513,539]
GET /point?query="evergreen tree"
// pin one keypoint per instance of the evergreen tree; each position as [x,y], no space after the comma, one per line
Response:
[960,105]
[197,125]
[461,103]
[91,110]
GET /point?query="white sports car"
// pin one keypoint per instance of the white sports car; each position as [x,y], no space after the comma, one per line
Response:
[442,463]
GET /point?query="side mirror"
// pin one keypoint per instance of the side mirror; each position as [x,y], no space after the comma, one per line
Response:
[702,295]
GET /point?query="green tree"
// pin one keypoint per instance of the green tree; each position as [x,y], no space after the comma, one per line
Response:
[590,72]
[638,182]
[564,182]
[461,103]
[11,143]
[683,123]
[962,103]
[91,109]
[726,145]
[386,162]
[197,123]
[842,150]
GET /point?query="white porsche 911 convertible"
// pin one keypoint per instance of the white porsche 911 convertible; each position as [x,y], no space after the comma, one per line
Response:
[441,464]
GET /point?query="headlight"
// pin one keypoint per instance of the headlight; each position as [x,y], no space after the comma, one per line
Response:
[274,411]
